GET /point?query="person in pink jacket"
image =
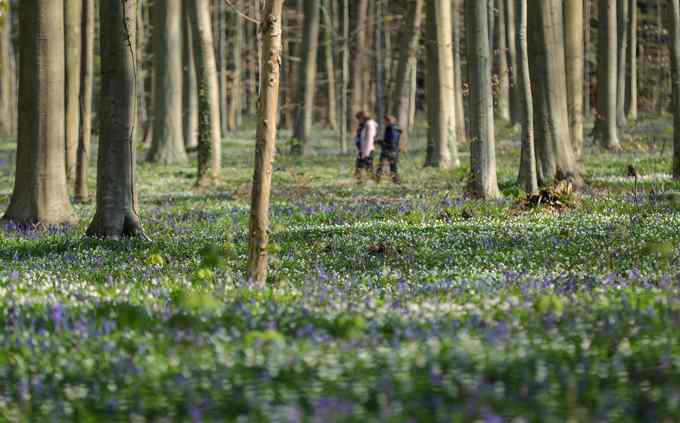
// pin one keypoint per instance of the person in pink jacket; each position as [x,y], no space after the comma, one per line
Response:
[365,142]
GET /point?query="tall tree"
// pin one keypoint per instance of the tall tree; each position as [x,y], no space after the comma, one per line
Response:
[167,146]
[606,131]
[307,77]
[675,76]
[266,139]
[221,60]
[622,38]
[380,60]
[528,177]
[359,57]
[344,86]
[328,48]
[40,194]
[8,88]
[574,48]
[86,84]
[209,134]
[461,134]
[632,75]
[501,53]
[116,215]
[189,84]
[72,25]
[483,182]
[441,138]
[235,74]
[407,55]
[513,61]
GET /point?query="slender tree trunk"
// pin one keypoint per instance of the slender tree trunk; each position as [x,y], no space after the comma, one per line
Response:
[440,87]
[329,40]
[344,103]
[554,150]
[40,195]
[502,63]
[587,107]
[675,77]
[8,89]
[632,77]
[513,62]
[622,37]
[606,131]
[150,89]
[86,84]
[410,41]
[359,60]
[574,47]
[483,183]
[236,73]
[116,214]
[527,170]
[189,84]
[167,146]
[307,81]
[380,61]
[209,134]
[72,22]
[143,111]
[266,140]
[221,41]
[461,134]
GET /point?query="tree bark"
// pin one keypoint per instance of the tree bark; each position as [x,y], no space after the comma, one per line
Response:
[359,62]
[116,215]
[513,62]
[40,194]
[344,106]
[574,47]
[622,38]
[606,131]
[675,77]
[86,84]
[167,146]
[307,81]
[235,74]
[554,150]
[328,47]
[143,111]
[380,61]
[209,134]
[221,63]
[72,23]
[189,84]
[501,51]
[410,41]
[8,79]
[483,182]
[587,107]
[527,178]
[266,139]
[441,143]
[632,76]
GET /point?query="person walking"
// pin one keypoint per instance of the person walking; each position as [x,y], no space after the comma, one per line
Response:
[366,133]
[389,150]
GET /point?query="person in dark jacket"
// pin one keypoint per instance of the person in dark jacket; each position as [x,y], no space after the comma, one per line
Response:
[389,150]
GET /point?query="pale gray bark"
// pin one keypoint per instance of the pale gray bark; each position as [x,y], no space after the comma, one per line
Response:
[503,107]
[328,48]
[675,77]
[457,23]
[307,78]
[236,73]
[574,47]
[86,84]
[209,133]
[606,130]
[344,103]
[8,79]
[622,38]
[189,84]
[258,238]
[380,61]
[167,146]
[513,62]
[359,91]
[40,195]
[116,215]
[483,182]
[632,76]
[72,27]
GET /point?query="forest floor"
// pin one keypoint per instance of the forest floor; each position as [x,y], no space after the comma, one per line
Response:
[390,303]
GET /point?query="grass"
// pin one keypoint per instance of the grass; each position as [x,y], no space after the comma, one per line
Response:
[385,303]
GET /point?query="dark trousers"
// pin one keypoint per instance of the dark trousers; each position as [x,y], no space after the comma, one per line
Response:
[391,157]
[365,163]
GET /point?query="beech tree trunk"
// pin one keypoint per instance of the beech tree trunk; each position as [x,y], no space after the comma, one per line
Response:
[167,146]
[189,84]
[116,215]
[40,195]
[554,150]
[410,41]
[86,85]
[359,91]
[501,51]
[632,76]
[483,182]
[344,103]
[221,63]
[513,62]
[622,38]
[461,134]
[440,84]
[235,75]
[574,47]
[72,23]
[328,45]
[606,130]
[675,77]
[587,106]
[307,81]
[8,80]
[209,133]
[380,62]
[266,141]
[527,178]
